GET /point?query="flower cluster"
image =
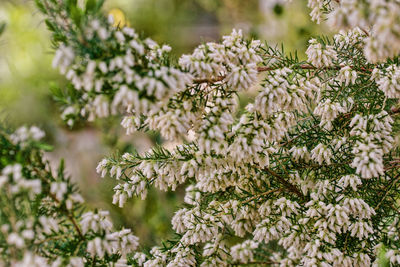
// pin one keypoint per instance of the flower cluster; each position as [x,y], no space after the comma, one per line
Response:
[321,56]
[235,61]
[380,18]
[40,206]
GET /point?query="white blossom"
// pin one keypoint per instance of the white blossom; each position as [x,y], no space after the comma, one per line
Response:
[389,81]
[321,153]
[319,55]
[95,221]
[243,253]
[347,76]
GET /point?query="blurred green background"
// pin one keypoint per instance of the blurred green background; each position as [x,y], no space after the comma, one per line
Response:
[26,77]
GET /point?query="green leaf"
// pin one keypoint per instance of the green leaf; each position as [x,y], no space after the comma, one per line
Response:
[72,3]
[99,4]
[45,147]
[40,6]
[76,15]
[50,25]
[2,27]
[91,6]
[61,168]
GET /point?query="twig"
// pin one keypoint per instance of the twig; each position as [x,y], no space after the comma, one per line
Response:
[300,134]
[396,209]
[70,217]
[345,241]
[394,111]
[265,263]
[291,187]
[387,191]
[263,194]
[263,69]
[66,211]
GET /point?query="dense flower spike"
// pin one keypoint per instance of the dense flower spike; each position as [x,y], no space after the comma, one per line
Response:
[379,17]
[307,174]
[235,60]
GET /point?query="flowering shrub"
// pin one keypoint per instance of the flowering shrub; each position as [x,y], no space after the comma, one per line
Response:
[43,221]
[306,175]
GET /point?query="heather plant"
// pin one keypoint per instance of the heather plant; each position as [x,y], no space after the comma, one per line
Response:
[43,220]
[307,174]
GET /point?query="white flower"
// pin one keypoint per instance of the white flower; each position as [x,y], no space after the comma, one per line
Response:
[389,81]
[123,241]
[243,252]
[73,199]
[347,76]
[349,180]
[192,195]
[184,257]
[369,160]
[63,58]
[359,208]
[58,189]
[16,240]
[24,134]
[76,262]
[32,260]
[96,222]
[360,229]
[48,224]
[321,56]
[321,153]
[317,7]
[278,94]
[328,112]
[179,221]
[242,77]
[235,58]
[102,167]
[393,256]
[140,258]
[99,247]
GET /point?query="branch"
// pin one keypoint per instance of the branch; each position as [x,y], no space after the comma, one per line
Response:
[288,185]
[300,134]
[66,211]
[70,217]
[262,194]
[264,263]
[263,69]
[394,111]
[387,189]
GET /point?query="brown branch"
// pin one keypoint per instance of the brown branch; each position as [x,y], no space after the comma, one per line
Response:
[263,69]
[209,80]
[387,189]
[300,134]
[392,164]
[265,263]
[345,242]
[394,111]
[70,217]
[287,184]
[396,209]
[66,211]
[263,194]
